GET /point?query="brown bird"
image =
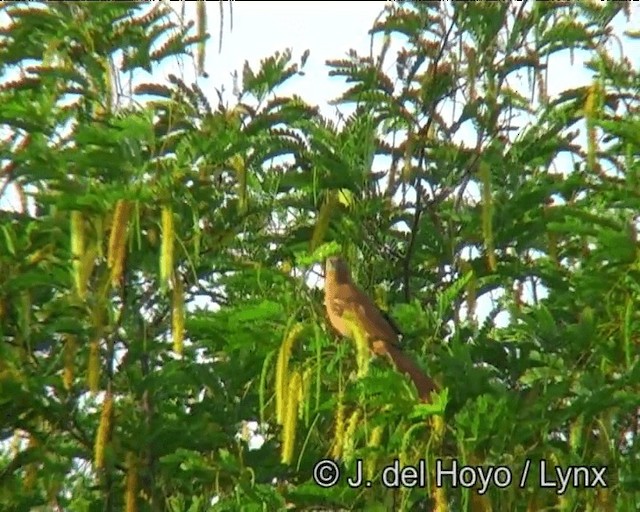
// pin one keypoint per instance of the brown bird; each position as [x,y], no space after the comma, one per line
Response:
[342,296]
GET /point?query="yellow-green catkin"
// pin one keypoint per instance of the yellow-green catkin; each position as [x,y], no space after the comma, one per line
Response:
[131,483]
[291,417]
[93,371]
[166,248]
[487,214]
[201,17]
[575,434]
[339,426]
[177,316]
[471,289]
[591,110]
[374,442]
[118,241]
[563,502]
[348,442]
[304,394]
[282,370]
[77,252]
[103,432]
[238,164]
[322,222]
[440,499]
[437,426]
[361,344]
[69,353]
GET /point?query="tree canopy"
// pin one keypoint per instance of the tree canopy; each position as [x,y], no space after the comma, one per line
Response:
[163,339]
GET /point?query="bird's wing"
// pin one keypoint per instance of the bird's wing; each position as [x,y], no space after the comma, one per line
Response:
[366,314]
[343,300]
[383,339]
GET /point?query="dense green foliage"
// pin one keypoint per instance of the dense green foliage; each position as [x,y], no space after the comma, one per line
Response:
[496,224]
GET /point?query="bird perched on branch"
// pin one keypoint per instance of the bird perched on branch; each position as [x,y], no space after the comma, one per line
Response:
[346,304]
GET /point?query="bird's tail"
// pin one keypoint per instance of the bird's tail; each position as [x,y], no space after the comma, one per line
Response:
[423,383]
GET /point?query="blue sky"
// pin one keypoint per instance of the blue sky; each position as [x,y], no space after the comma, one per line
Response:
[327,29]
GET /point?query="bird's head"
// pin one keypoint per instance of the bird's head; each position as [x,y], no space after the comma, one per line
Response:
[337,270]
